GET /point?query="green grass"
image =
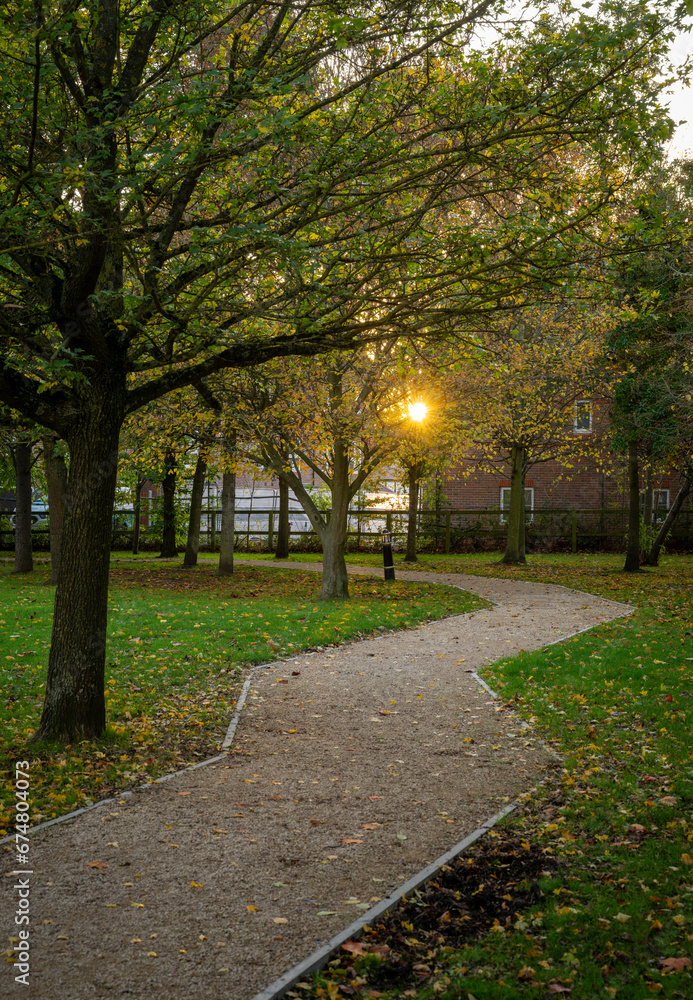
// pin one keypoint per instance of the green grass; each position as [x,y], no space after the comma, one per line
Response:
[179,644]
[617,704]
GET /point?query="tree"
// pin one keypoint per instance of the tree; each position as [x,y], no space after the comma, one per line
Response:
[332,419]
[650,346]
[174,172]
[529,376]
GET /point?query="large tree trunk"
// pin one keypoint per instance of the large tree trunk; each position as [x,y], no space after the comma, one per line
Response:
[228,523]
[198,487]
[684,490]
[335,582]
[169,549]
[56,481]
[137,516]
[74,707]
[515,545]
[632,564]
[414,473]
[282,549]
[23,558]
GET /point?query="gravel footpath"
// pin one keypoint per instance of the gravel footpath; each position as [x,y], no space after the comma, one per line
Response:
[351,769]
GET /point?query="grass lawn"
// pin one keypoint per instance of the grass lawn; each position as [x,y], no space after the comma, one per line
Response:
[179,645]
[612,913]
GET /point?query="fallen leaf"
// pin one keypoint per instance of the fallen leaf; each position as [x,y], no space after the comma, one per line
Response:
[251,908]
[668,800]
[675,964]
[184,793]
[401,836]
[137,906]
[558,988]
[151,954]
[622,917]
[353,947]
[369,826]
[351,840]
[687,859]
[97,864]
[326,913]
[375,798]
[197,885]
[279,920]
[113,843]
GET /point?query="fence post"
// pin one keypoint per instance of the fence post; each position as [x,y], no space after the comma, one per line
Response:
[573,530]
[388,522]
[212,528]
[270,531]
[447,532]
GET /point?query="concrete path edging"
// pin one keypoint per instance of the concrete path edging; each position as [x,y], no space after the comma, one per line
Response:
[321,956]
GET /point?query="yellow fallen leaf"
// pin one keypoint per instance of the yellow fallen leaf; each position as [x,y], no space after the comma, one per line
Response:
[197,885]
[137,905]
[279,920]
[687,859]
[151,954]
[251,908]
[622,917]
[111,904]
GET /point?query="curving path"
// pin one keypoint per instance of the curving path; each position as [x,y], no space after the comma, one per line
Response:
[351,769]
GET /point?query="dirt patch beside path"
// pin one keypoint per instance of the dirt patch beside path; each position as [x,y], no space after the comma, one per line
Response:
[352,768]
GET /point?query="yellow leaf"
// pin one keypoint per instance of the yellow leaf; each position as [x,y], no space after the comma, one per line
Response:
[151,954]
[279,920]
[251,908]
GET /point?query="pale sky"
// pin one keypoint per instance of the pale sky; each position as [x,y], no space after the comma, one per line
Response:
[681,101]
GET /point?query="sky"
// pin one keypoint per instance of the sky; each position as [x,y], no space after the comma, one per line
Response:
[681,101]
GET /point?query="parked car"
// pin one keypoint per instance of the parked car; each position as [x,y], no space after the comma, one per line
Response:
[39,516]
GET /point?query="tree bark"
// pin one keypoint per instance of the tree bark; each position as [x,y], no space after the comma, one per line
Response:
[74,707]
[23,557]
[137,516]
[56,481]
[684,490]
[514,554]
[632,563]
[198,486]
[282,548]
[169,549]
[335,582]
[414,473]
[228,523]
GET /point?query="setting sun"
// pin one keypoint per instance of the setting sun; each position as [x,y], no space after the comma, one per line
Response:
[417,411]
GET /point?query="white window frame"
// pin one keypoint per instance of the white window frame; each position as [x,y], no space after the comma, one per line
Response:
[529,508]
[579,403]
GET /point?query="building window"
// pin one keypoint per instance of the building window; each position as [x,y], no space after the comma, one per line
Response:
[660,499]
[582,423]
[505,502]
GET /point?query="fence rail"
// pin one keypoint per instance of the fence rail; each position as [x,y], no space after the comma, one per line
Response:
[443,531]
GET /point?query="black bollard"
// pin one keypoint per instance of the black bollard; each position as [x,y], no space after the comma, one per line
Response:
[388,563]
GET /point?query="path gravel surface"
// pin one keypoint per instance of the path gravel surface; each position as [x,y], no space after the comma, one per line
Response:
[351,769]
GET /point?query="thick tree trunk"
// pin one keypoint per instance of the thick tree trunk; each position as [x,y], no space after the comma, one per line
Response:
[684,490]
[56,481]
[228,523]
[74,707]
[335,582]
[282,549]
[632,564]
[137,517]
[169,549]
[23,558]
[414,472]
[198,487]
[515,545]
